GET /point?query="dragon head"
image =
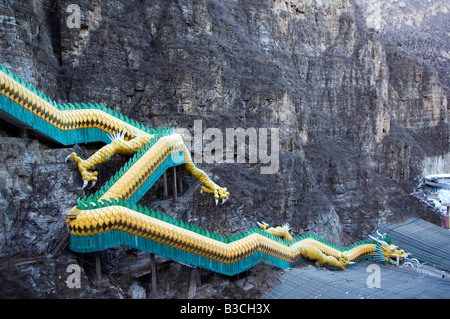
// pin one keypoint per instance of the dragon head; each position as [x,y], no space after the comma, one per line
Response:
[280,231]
[387,252]
[286,234]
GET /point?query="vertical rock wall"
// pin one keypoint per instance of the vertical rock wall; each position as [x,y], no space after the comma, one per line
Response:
[357,118]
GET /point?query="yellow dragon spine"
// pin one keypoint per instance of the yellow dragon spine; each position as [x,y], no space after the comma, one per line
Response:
[111,217]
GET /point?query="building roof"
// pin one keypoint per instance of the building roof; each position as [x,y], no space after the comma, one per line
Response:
[427,242]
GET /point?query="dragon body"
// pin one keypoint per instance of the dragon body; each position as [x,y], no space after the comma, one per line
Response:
[112,217]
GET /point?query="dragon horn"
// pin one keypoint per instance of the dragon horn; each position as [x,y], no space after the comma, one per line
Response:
[380,234]
[382,242]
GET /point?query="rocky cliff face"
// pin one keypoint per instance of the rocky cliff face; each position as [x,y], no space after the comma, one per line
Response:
[418,27]
[359,120]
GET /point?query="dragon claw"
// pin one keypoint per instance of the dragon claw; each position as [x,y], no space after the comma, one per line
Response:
[85,183]
[67,158]
[263,225]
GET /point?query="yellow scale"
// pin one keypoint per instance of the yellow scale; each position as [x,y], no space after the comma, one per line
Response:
[93,221]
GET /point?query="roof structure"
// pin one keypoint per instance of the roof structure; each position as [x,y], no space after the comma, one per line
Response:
[429,243]
[425,241]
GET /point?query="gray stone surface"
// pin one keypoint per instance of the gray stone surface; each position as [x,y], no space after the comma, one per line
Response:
[418,27]
[427,242]
[395,283]
[359,119]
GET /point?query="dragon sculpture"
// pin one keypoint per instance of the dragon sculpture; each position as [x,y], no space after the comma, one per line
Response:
[387,252]
[382,249]
[280,231]
[136,142]
[112,217]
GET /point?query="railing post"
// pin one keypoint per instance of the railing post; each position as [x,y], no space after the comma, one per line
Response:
[98,266]
[447,216]
[180,181]
[153,269]
[174,185]
[166,193]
